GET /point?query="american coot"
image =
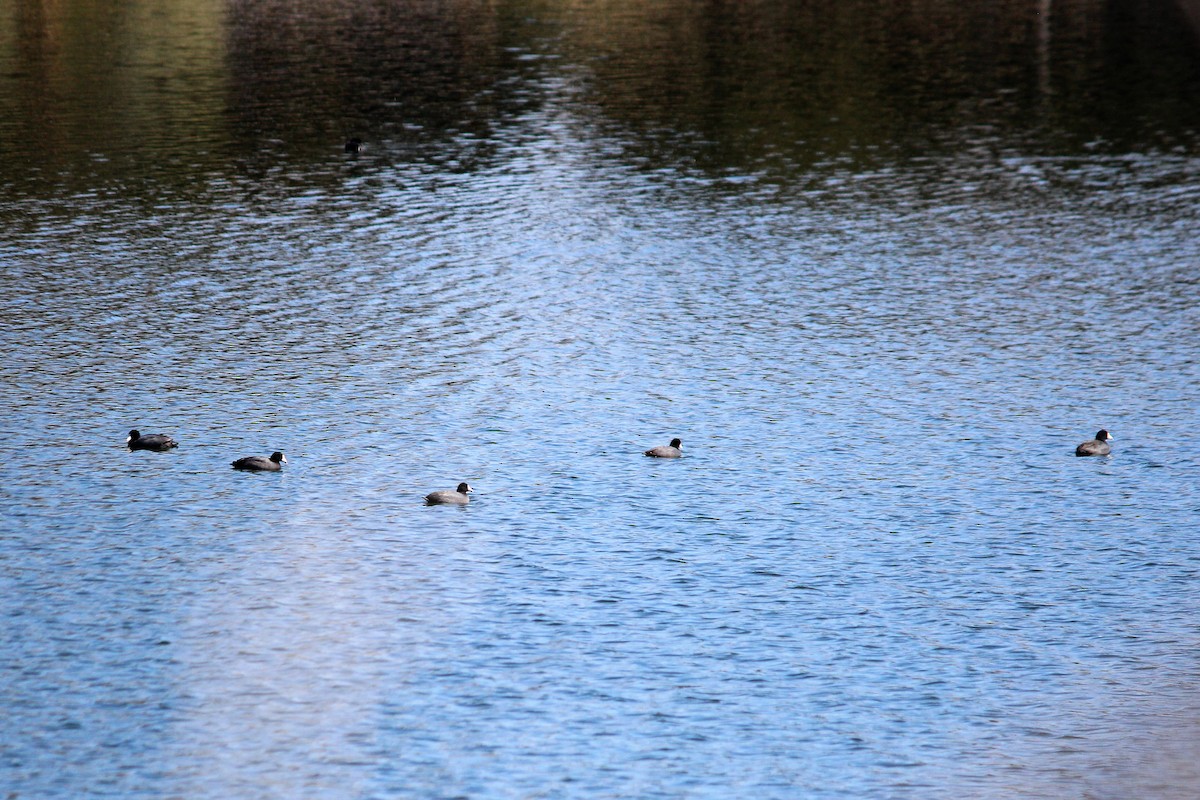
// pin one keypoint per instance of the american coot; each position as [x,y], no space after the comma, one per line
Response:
[670,451]
[457,497]
[1095,447]
[354,145]
[260,464]
[152,441]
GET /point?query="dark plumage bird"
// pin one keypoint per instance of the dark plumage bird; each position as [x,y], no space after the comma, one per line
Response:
[261,464]
[446,497]
[1095,447]
[668,451]
[151,441]
[354,145]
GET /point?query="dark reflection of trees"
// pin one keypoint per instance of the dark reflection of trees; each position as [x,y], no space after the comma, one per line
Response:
[809,79]
[312,72]
[110,90]
[102,90]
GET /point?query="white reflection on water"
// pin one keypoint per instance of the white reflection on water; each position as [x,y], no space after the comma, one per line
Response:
[289,653]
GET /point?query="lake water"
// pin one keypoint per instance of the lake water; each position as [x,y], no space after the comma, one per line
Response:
[879,269]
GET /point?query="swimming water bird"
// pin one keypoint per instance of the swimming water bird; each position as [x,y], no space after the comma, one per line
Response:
[152,441]
[669,451]
[1095,447]
[261,464]
[446,497]
[354,145]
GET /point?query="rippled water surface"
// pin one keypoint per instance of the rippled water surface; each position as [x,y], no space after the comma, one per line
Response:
[880,270]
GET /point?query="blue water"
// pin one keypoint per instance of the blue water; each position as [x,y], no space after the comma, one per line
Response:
[877,571]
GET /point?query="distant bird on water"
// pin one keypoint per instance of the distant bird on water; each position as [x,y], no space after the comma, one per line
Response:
[445,497]
[1095,447]
[668,451]
[354,145]
[261,464]
[152,441]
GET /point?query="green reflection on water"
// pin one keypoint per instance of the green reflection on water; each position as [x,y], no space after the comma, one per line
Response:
[106,90]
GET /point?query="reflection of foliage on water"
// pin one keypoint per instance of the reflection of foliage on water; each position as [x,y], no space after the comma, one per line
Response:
[317,70]
[114,89]
[89,88]
[804,81]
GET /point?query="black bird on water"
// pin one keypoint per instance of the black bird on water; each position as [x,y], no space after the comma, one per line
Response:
[666,451]
[151,441]
[1095,447]
[446,497]
[261,464]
